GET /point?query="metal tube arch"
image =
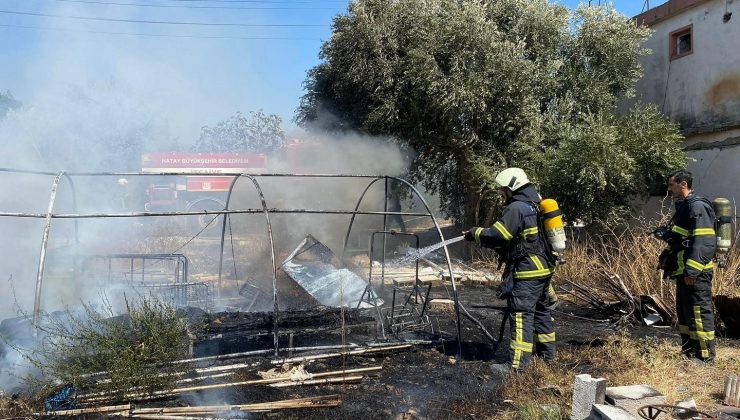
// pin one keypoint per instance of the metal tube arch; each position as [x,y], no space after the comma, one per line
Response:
[45,238]
[441,237]
[352,219]
[265,210]
[64,174]
[272,249]
[42,252]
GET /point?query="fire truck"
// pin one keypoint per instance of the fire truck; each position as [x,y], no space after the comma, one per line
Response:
[205,189]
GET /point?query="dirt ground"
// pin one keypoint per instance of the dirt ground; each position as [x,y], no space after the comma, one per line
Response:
[438,378]
[427,381]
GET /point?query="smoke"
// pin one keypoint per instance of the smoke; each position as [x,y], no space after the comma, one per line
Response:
[100,128]
[94,104]
[90,103]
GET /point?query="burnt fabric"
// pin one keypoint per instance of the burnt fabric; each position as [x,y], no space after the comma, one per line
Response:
[519,239]
[690,253]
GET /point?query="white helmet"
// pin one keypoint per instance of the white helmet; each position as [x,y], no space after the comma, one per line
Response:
[512,178]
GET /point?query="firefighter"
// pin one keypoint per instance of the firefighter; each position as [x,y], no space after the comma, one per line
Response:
[688,260]
[520,241]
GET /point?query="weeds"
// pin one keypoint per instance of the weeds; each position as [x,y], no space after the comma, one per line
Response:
[14,408]
[622,361]
[617,266]
[530,411]
[132,350]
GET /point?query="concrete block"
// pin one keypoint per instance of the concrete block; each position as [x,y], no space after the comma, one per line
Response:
[446,305]
[587,391]
[610,412]
[731,412]
[632,397]
[686,410]
[732,390]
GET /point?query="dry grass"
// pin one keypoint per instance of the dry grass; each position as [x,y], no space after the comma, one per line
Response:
[622,361]
[13,408]
[597,261]
[592,263]
[631,255]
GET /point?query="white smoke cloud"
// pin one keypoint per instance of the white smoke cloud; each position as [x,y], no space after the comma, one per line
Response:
[94,104]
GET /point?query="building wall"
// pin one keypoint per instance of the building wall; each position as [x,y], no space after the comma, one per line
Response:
[701,91]
[715,163]
[714,160]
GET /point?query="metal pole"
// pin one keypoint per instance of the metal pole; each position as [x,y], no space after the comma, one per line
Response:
[42,253]
[74,206]
[371,293]
[449,262]
[266,212]
[352,219]
[221,174]
[385,228]
[200,213]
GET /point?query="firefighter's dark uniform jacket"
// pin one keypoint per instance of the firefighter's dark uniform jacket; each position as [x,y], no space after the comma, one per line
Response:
[690,253]
[517,236]
[693,239]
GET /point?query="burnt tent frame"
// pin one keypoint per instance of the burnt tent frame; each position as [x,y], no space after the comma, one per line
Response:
[265,210]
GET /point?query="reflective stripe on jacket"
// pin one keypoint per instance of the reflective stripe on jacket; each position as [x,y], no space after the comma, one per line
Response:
[517,231]
[693,239]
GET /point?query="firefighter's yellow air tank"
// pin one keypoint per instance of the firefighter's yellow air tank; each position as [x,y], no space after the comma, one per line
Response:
[723,212]
[553,221]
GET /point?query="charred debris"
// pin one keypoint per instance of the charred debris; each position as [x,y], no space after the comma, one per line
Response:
[263,327]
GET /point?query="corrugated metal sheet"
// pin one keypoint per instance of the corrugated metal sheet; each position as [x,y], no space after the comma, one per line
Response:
[314,267]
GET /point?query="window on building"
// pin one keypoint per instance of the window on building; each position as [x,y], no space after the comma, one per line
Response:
[681,42]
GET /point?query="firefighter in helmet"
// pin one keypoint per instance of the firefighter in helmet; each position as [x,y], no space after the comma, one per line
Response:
[520,242]
[688,259]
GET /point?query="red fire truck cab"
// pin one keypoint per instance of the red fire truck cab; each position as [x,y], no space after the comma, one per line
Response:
[205,189]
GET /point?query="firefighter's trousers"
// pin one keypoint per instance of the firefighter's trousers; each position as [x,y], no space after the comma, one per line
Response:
[696,316]
[532,329]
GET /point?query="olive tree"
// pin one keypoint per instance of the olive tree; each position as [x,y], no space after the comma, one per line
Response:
[476,86]
[257,132]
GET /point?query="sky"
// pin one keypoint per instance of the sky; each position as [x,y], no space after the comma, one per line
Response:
[243,55]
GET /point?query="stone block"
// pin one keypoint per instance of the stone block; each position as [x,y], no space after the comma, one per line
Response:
[685,409]
[732,390]
[445,305]
[610,412]
[587,391]
[632,397]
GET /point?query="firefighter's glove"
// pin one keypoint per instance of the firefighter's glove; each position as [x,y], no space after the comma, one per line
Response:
[663,233]
[506,287]
[469,235]
[663,259]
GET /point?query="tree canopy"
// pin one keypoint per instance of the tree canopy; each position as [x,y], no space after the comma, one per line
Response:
[257,132]
[474,87]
